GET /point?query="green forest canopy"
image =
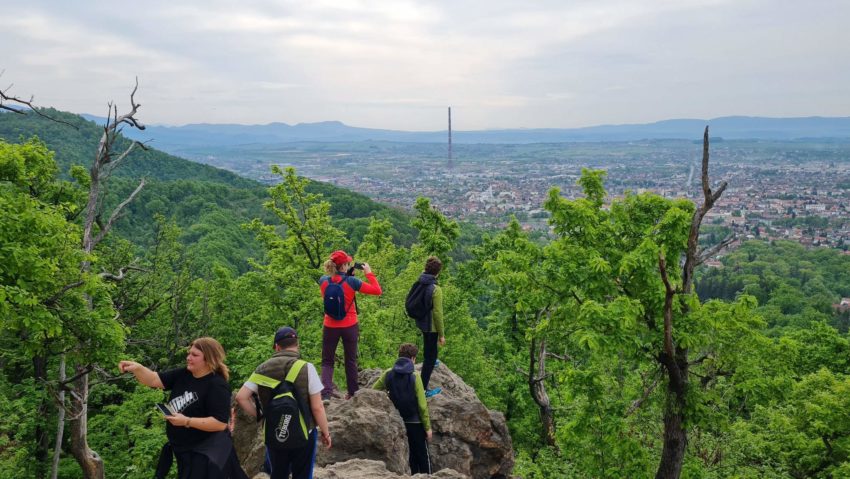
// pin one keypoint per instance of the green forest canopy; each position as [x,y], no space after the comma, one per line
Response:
[209,204]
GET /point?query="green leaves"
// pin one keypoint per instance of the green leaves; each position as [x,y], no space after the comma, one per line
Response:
[437,235]
[305,216]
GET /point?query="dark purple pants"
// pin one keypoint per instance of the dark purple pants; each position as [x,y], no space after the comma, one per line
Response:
[330,340]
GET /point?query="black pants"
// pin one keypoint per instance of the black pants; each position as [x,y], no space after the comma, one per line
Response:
[298,462]
[429,342]
[420,458]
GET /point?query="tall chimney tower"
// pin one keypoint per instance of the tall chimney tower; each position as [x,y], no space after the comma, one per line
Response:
[450,137]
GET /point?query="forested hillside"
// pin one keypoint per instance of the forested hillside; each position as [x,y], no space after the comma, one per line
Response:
[209,204]
[591,341]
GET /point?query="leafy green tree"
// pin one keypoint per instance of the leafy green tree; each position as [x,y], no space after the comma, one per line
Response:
[437,234]
[304,215]
[40,250]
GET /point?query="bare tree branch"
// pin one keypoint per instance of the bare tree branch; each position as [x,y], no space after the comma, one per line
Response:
[706,254]
[6,97]
[114,163]
[116,212]
[52,300]
[121,273]
[58,295]
[83,372]
[709,198]
[699,360]
[668,305]
[562,357]
[637,403]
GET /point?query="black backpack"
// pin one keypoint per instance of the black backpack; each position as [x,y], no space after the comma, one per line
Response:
[286,416]
[335,299]
[402,391]
[419,303]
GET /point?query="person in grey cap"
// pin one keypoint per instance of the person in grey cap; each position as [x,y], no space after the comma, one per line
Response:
[308,387]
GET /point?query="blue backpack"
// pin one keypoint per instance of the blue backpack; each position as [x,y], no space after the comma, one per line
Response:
[335,299]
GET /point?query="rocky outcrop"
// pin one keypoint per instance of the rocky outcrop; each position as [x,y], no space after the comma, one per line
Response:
[366,427]
[369,469]
[369,438]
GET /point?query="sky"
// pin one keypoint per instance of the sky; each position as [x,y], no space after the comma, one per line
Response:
[398,64]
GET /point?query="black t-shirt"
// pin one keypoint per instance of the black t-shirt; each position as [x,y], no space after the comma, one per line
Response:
[195,397]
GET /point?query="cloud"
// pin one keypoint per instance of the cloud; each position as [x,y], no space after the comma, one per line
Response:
[399,63]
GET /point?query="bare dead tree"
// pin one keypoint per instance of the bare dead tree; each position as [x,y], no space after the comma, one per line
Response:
[674,358]
[94,231]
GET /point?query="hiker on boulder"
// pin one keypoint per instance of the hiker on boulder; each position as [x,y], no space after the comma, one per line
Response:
[197,413]
[290,402]
[339,287]
[404,387]
[424,304]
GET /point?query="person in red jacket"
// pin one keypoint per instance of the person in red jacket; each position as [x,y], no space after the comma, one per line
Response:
[337,269]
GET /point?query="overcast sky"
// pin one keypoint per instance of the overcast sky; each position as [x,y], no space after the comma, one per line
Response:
[398,64]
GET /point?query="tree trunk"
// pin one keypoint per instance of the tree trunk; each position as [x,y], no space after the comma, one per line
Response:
[538,393]
[675,434]
[90,462]
[675,441]
[60,421]
[42,443]
[674,358]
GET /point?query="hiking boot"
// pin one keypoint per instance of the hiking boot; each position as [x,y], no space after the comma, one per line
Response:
[334,394]
[436,363]
[433,392]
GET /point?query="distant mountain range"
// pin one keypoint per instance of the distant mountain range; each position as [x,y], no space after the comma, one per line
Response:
[730,127]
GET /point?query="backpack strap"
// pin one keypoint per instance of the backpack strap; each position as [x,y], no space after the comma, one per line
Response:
[294,370]
[303,403]
[272,383]
[354,300]
[262,380]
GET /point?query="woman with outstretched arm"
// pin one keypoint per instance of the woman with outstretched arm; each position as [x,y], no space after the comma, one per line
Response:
[199,409]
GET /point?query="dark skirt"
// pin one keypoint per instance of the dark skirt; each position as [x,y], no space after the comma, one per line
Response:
[213,460]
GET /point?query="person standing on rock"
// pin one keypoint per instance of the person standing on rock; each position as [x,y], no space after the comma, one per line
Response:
[286,375]
[407,393]
[339,287]
[424,303]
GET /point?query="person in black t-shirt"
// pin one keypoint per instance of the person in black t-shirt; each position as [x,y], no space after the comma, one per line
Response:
[200,396]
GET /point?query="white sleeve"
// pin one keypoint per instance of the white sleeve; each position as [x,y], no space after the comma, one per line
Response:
[314,383]
[252,386]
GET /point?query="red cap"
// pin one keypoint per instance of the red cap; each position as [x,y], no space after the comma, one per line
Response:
[340,257]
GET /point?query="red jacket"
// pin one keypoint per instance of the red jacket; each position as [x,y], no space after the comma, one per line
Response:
[351,287]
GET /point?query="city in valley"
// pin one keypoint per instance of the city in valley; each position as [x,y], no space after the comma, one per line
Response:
[796,190]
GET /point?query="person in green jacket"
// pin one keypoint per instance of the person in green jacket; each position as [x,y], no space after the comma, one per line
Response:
[407,393]
[424,304]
